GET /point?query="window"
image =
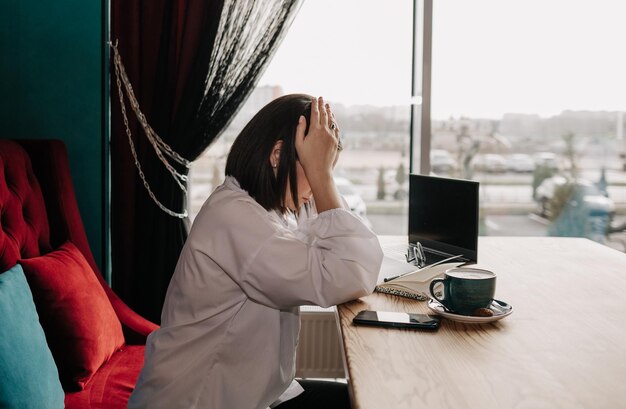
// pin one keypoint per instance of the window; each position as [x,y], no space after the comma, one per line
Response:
[528,98]
[357,55]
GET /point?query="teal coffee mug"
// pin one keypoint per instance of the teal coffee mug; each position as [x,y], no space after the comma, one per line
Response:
[465,289]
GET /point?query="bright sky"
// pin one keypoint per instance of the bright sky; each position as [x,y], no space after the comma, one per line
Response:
[489,56]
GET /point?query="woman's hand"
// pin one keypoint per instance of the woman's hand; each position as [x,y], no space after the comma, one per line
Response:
[318,149]
[318,152]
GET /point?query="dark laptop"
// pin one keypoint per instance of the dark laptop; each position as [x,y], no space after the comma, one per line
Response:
[443,223]
[443,217]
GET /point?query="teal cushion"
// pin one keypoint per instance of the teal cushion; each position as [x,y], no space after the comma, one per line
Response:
[29,376]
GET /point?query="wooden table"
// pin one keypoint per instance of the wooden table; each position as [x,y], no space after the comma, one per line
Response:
[564,346]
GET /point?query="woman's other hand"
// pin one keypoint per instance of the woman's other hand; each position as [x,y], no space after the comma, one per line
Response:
[318,152]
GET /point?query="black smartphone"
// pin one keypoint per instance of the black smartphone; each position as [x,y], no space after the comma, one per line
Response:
[397,319]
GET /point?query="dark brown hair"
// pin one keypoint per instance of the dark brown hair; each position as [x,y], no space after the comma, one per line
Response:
[248,159]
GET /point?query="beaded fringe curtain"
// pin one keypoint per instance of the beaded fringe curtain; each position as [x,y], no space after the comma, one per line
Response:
[247,35]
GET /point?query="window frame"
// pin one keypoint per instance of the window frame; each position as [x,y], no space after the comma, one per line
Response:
[420,120]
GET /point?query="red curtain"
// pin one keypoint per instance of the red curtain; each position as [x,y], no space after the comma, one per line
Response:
[163,46]
[191,63]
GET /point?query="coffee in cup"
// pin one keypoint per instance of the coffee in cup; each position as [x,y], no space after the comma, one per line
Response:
[465,289]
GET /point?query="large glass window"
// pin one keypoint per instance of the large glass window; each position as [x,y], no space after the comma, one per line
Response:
[528,98]
[357,55]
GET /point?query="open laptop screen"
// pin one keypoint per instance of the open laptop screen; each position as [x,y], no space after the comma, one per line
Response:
[443,215]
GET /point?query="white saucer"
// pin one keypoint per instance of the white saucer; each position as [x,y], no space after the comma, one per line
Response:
[500,310]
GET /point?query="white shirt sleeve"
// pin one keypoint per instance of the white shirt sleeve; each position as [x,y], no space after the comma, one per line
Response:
[291,392]
[330,259]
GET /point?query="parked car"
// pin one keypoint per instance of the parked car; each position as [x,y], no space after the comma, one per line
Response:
[441,161]
[552,195]
[547,159]
[353,198]
[495,163]
[521,163]
[393,188]
[491,163]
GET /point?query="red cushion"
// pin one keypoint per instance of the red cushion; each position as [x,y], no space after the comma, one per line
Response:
[81,327]
[112,385]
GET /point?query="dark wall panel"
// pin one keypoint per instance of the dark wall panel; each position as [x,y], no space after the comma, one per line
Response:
[51,86]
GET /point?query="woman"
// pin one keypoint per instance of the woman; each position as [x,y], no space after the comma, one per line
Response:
[231,319]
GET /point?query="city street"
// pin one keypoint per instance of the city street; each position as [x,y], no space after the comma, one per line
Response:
[506,198]
[497,225]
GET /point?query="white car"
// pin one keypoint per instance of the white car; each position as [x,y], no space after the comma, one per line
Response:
[521,163]
[441,161]
[547,159]
[353,199]
[491,163]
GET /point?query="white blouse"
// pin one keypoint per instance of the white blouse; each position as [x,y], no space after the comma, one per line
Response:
[230,323]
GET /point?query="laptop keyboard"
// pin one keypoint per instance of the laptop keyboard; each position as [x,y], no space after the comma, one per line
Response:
[433,257]
[395,251]
[399,252]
